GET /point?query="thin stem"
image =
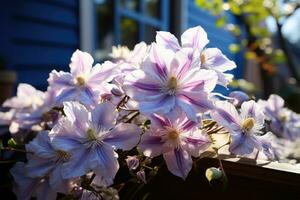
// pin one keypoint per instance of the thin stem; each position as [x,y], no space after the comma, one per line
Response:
[13,149]
[123,101]
[132,118]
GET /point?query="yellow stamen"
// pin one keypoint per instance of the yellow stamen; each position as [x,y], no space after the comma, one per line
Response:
[248,123]
[202,58]
[80,81]
[91,134]
[283,118]
[172,83]
[173,134]
[63,155]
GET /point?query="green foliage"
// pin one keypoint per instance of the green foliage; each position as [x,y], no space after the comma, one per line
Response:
[12,143]
[234,48]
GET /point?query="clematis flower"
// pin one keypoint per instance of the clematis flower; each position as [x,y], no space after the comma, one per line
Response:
[25,187]
[245,128]
[284,122]
[85,83]
[91,138]
[46,161]
[177,139]
[124,55]
[27,98]
[194,41]
[169,82]
[35,118]
[27,101]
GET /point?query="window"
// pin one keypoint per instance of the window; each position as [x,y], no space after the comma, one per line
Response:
[128,22]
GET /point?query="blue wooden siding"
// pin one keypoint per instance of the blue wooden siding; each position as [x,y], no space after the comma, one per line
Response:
[218,37]
[39,35]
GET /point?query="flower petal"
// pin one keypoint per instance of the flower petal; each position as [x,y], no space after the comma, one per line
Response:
[226,115]
[242,144]
[77,114]
[104,116]
[168,40]
[151,145]
[41,146]
[104,163]
[164,105]
[123,136]
[81,63]
[195,38]
[179,162]
[79,163]
[214,59]
[100,73]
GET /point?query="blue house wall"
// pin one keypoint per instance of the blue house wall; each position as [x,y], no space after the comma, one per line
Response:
[38,36]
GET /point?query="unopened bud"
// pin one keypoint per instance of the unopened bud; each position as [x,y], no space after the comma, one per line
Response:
[213,173]
[238,97]
[141,176]
[132,162]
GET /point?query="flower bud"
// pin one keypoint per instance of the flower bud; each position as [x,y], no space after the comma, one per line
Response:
[141,176]
[238,97]
[213,173]
[132,162]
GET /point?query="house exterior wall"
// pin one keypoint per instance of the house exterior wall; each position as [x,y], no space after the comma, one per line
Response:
[38,36]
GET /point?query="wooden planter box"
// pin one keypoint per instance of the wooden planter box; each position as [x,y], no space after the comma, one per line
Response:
[246,180]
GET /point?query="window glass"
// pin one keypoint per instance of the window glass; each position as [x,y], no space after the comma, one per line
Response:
[152,8]
[130,4]
[104,28]
[150,33]
[129,32]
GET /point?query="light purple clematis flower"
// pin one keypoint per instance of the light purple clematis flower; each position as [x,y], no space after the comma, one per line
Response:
[27,98]
[91,138]
[194,41]
[46,161]
[25,187]
[244,128]
[284,122]
[177,139]
[27,101]
[169,82]
[85,83]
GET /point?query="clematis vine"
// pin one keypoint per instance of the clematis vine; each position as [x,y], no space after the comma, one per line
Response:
[177,139]
[91,138]
[245,127]
[168,82]
[283,122]
[194,40]
[85,83]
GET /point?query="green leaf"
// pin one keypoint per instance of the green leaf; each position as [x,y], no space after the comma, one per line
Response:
[234,8]
[12,143]
[221,21]
[250,55]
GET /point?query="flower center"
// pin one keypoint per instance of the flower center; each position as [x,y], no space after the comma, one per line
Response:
[283,118]
[248,123]
[202,58]
[91,134]
[173,134]
[63,155]
[172,85]
[80,81]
